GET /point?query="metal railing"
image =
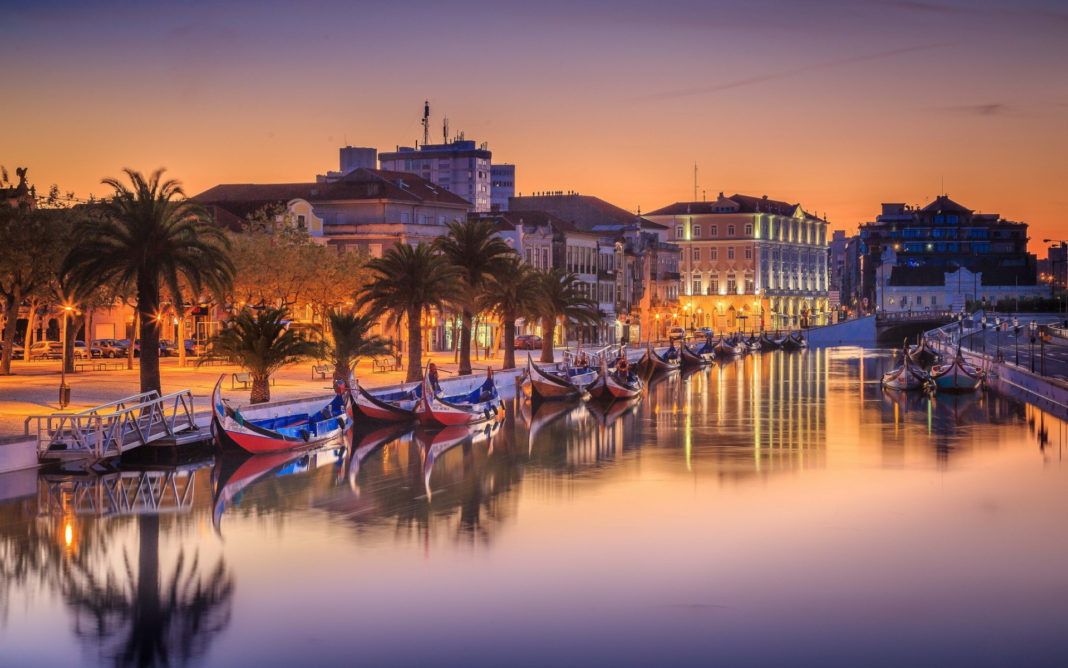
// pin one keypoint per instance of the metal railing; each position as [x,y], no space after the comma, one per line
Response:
[110,429]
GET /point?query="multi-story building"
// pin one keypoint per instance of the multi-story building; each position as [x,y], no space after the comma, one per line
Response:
[1057,258]
[460,167]
[644,271]
[502,186]
[944,236]
[351,158]
[749,263]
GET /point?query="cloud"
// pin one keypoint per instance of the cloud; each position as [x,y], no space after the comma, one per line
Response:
[990,109]
[783,74]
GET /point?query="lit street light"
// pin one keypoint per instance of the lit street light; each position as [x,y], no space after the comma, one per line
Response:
[1033,327]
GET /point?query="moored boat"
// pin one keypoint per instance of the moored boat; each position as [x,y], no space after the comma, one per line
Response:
[790,342]
[690,357]
[725,349]
[567,382]
[907,376]
[663,362]
[767,343]
[392,406]
[478,405]
[619,383]
[923,354]
[282,432]
[956,376]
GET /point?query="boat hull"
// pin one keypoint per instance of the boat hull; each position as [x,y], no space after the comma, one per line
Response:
[374,408]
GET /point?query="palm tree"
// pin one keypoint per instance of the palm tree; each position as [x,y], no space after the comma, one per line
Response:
[261,343]
[513,295]
[478,253]
[151,237]
[353,339]
[406,282]
[562,300]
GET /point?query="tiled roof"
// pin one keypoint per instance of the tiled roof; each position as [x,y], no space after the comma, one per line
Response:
[738,203]
[361,184]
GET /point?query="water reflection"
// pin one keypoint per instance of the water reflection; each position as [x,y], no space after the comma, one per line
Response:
[140,560]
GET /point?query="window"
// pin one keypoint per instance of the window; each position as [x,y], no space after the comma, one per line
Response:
[678,231]
[697,255]
[732,285]
[730,230]
[404,217]
[696,286]
[730,252]
[713,254]
[713,231]
[749,285]
[301,223]
[696,231]
[934,300]
[749,229]
[713,285]
[748,253]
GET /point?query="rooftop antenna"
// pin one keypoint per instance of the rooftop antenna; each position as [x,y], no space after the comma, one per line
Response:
[445,130]
[426,122]
[695,181]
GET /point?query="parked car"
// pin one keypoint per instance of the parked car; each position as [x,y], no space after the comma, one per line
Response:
[84,351]
[527,342]
[110,347]
[191,348]
[46,350]
[17,351]
[677,333]
[167,348]
[125,343]
[704,333]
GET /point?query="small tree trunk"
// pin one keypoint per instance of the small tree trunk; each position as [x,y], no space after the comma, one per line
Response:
[11,305]
[415,348]
[133,341]
[29,326]
[261,388]
[547,353]
[509,344]
[465,343]
[181,340]
[68,343]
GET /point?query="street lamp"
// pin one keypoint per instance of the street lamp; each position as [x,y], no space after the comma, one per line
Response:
[997,337]
[983,321]
[64,389]
[1016,337]
[1033,327]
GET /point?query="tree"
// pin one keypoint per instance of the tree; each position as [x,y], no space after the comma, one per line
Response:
[31,243]
[561,300]
[510,296]
[352,338]
[478,254]
[406,282]
[149,237]
[260,342]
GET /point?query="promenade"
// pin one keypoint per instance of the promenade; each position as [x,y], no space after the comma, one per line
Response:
[33,387]
[1047,359]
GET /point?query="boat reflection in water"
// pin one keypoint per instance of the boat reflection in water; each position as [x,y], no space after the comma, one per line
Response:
[756,486]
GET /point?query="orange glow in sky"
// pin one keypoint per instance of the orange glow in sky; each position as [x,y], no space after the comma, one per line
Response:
[837,104]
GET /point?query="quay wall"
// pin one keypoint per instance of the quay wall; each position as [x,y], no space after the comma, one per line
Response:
[860,331]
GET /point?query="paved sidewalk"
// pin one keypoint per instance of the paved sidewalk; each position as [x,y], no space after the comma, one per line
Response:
[33,387]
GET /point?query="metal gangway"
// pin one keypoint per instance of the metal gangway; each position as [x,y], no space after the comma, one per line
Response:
[120,493]
[113,428]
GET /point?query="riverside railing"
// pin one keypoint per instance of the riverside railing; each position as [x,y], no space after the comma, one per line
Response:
[110,429]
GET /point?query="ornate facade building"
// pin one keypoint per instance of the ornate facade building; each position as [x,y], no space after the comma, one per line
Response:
[748,263]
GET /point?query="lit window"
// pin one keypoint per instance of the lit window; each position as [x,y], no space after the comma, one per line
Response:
[678,231]
[696,231]
[749,230]
[697,255]
[730,252]
[730,230]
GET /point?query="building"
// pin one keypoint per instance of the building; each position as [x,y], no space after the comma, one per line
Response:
[914,289]
[943,235]
[643,272]
[367,210]
[458,166]
[1057,258]
[749,263]
[502,186]
[351,159]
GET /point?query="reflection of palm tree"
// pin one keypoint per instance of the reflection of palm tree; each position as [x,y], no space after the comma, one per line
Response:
[142,620]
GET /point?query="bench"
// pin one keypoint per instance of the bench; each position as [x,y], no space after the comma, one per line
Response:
[383,364]
[321,370]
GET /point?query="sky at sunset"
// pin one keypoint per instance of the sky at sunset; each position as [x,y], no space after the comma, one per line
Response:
[836,104]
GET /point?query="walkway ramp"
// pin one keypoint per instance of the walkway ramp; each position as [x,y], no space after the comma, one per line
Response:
[111,429]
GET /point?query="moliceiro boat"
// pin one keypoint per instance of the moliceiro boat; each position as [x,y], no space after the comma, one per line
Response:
[392,406]
[478,405]
[618,383]
[669,361]
[766,342]
[956,376]
[567,382]
[703,355]
[923,354]
[908,376]
[283,432]
[724,349]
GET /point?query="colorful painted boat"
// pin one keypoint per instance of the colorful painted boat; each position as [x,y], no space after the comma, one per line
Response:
[767,343]
[661,363]
[956,376]
[790,342]
[392,406]
[754,343]
[481,404]
[924,355]
[690,357]
[283,432]
[617,384]
[565,382]
[724,349]
[908,376]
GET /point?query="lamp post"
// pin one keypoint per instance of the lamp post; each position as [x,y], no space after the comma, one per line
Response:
[983,321]
[1033,327]
[997,337]
[1016,337]
[64,389]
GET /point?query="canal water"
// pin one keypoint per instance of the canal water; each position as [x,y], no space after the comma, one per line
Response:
[779,509]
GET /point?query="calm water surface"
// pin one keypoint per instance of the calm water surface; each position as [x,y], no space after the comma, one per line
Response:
[781,509]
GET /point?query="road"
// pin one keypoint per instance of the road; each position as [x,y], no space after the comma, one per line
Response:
[1050,359]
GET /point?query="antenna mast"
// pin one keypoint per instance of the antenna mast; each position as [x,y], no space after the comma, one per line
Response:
[426,122]
[445,131]
[695,181]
